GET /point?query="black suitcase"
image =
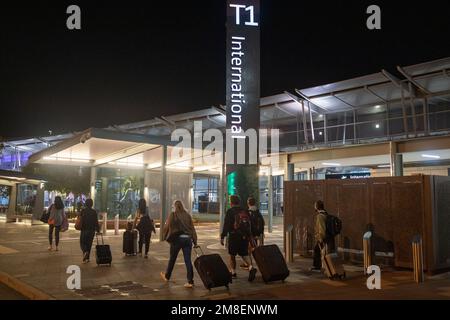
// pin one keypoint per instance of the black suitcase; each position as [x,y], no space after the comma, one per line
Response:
[271,263]
[212,270]
[103,253]
[130,239]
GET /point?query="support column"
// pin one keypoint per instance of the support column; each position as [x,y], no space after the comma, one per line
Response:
[164,214]
[222,194]
[93,179]
[270,205]
[39,204]
[11,213]
[289,176]
[396,160]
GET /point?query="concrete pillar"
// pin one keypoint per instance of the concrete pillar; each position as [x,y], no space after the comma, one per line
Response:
[39,204]
[270,205]
[10,214]
[164,205]
[222,194]
[396,161]
[93,179]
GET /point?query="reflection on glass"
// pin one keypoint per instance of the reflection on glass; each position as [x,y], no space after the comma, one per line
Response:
[26,198]
[5,193]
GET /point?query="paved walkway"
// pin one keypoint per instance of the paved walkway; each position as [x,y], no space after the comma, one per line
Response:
[24,256]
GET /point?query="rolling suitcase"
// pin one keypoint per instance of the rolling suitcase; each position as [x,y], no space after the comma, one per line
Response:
[212,270]
[332,265]
[103,253]
[271,263]
[130,242]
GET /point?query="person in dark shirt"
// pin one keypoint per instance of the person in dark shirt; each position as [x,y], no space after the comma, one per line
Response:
[89,225]
[145,226]
[238,240]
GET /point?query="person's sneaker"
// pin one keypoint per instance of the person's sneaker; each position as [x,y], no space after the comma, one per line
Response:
[50,248]
[252,274]
[140,254]
[56,249]
[318,270]
[244,266]
[85,261]
[146,256]
[189,285]
[233,275]
[163,276]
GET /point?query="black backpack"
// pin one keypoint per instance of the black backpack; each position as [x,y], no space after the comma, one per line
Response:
[333,225]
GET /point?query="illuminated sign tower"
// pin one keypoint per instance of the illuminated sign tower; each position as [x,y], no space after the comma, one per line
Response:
[243,97]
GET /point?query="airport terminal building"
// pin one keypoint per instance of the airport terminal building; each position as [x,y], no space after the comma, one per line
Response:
[378,125]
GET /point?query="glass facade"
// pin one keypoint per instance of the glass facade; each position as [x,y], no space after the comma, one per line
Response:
[5,194]
[117,191]
[26,198]
[206,194]
[277,185]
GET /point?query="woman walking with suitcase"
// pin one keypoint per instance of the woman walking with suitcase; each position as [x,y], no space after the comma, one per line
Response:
[145,226]
[179,231]
[89,225]
[55,221]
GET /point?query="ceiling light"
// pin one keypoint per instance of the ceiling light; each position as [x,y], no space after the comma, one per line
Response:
[377,126]
[430,156]
[384,166]
[331,164]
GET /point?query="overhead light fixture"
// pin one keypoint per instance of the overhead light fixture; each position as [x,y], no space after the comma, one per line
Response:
[377,126]
[377,106]
[331,164]
[431,156]
[384,166]
[320,133]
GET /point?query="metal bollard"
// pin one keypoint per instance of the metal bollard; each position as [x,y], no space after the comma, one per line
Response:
[417,249]
[367,249]
[105,221]
[289,244]
[116,224]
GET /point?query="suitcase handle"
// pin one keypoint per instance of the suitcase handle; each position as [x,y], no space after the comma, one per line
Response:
[196,248]
[96,236]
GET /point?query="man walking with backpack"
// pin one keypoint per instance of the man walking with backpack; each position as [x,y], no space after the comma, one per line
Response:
[237,227]
[326,228]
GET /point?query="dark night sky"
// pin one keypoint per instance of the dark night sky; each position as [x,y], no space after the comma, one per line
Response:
[133,61]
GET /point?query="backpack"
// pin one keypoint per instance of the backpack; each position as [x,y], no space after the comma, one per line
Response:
[242,223]
[333,226]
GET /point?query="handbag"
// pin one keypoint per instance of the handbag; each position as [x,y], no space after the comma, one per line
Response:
[78,223]
[51,221]
[65,224]
[45,216]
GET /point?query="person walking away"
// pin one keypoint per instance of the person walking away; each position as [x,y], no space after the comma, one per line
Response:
[237,227]
[55,221]
[257,221]
[145,226]
[257,227]
[179,231]
[323,241]
[89,226]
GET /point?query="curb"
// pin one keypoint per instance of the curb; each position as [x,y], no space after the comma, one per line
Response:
[24,289]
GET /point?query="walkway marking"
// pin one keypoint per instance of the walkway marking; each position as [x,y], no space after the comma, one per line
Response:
[6,250]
